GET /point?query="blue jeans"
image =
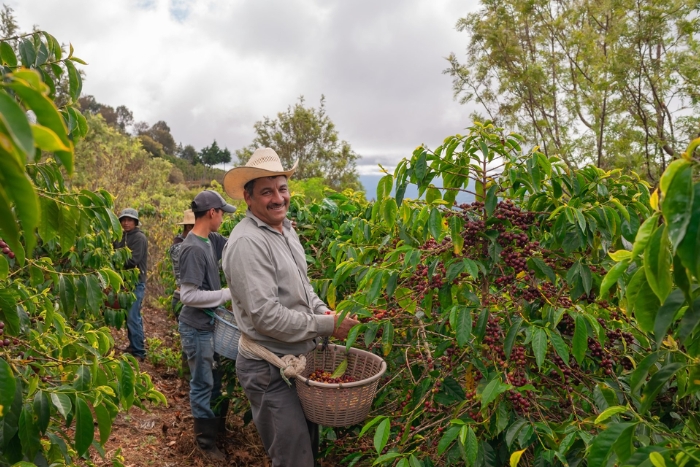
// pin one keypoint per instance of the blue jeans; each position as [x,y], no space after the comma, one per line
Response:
[205,382]
[134,324]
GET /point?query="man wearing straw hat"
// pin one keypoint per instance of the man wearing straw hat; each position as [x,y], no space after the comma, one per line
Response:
[200,291]
[174,252]
[275,306]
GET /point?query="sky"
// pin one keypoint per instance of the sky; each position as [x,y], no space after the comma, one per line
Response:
[212,68]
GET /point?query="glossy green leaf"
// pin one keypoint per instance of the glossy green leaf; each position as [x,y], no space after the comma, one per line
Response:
[579,344]
[539,345]
[689,248]
[42,411]
[46,140]
[387,338]
[666,313]
[464,325]
[646,305]
[29,432]
[657,263]
[612,277]
[541,269]
[677,203]
[435,223]
[8,55]
[126,384]
[15,121]
[7,385]
[63,403]
[381,436]
[471,446]
[644,234]
[657,381]
[17,189]
[389,211]
[8,311]
[603,443]
[74,80]
[84,426]
[609,412]
[104,422]
[448,438]
[559,345]
[491,199]
[492,391]
[510,336]
[384,187]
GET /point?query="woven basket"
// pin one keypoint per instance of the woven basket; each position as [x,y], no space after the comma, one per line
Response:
[226,334]
[341,404]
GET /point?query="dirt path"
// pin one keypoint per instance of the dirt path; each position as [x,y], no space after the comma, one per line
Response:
[162,436]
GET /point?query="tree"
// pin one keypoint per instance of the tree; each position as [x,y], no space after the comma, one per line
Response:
[614,84]
[189,153]
[212,155]
[8,22]
[308,135]
[158,133]
[121,118]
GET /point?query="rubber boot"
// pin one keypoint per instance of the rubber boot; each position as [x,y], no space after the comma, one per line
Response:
[205,430]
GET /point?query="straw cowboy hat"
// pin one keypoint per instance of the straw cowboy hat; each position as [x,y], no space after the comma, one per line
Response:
[263,163]
[187,218]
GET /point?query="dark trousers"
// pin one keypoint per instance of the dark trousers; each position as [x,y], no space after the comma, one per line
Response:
[277,414]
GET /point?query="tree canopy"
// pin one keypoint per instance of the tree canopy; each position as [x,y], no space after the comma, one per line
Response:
[308,135]
[213,154]
[615,84]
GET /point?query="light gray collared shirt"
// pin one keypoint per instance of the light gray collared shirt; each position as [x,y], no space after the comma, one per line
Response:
[273,300]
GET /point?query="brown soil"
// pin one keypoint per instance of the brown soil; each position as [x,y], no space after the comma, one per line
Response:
[162,435]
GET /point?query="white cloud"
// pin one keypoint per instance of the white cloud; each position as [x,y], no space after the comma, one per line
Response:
[211,69]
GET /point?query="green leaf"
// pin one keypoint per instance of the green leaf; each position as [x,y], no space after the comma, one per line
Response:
[381,436]
[29,432]
[387,457]
[370,424]
[41,410]
[389,211]
[657,381]
[375,286]
[84,426]
[448,438]
[491,200]
[46,140]
[68,227]
[74,80]
[657,459]
[126,383]
[579,344]
[8,55]
[15,186]
[8,311]
[464,325]
[82,379]
[66,294]
[510,336]
[47,115]
[677,202]
[384,187]
[7,386]
[492,391]
[387,338]
[612,277]
[4,268]
[646,305]
[471,446]
[340,370]
[539,345]
[435,223]
[609,412]
[15,121]
[104,422]
[657,263]
[689,248]
[602,444]
[541,269]
[666,313]
[514,429]
[62,402]
[644,234]
[559,345]
[639,375]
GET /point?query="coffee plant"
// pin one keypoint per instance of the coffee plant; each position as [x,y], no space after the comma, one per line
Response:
[504,343]
[58,373]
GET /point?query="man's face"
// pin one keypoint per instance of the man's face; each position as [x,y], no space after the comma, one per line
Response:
[217,217]
[270,200]
[128,224]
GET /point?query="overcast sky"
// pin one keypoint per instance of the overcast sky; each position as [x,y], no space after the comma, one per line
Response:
[212,68]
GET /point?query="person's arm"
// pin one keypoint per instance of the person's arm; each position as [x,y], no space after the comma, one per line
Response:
[319,307]
[190,295]
[253,281]
[139,250]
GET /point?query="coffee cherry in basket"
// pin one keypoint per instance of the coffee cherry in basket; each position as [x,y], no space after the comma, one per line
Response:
[326,377]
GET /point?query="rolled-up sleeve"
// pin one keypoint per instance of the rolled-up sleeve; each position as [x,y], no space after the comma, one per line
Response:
[255,287]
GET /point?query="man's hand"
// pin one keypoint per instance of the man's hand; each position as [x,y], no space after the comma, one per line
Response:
[341,332]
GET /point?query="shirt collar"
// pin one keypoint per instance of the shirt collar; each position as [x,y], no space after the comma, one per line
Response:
[286,223]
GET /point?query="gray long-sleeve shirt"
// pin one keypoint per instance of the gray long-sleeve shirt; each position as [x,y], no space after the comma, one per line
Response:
[138,244]
[273,300]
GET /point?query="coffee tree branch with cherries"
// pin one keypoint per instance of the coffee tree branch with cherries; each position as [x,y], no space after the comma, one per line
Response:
[504,343]
[59,377]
